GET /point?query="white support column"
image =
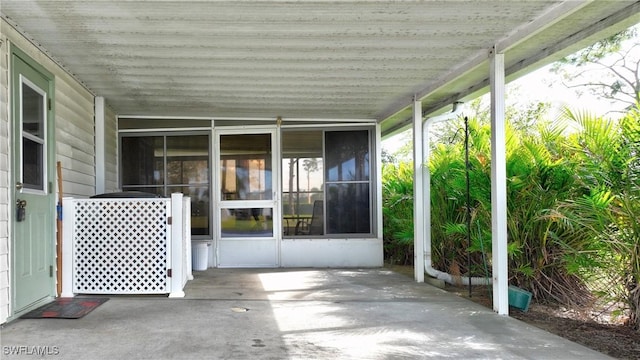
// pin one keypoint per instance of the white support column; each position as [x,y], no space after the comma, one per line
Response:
[186,236]
[101,181]
[498,185]
[176,246]
[418,194]
[68,210]
[379,225]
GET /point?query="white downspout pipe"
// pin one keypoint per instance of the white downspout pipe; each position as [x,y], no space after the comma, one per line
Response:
[426,198]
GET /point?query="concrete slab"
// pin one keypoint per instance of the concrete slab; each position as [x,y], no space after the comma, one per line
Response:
[290,314]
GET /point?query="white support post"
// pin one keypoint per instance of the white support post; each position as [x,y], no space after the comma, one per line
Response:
[101,181]
[418,195]
[379,218]
[186,236]
[68,225]
[176,246]
[498,185]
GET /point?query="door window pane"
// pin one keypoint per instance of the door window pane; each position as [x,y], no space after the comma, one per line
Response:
[32,164]
[33,112]
[245,172]
[247,222]
[33,138]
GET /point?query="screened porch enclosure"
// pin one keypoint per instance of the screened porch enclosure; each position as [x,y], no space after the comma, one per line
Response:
[326,182]
[167,163]
[253,187]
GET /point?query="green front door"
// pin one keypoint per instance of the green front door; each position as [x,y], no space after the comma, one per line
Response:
[33,225]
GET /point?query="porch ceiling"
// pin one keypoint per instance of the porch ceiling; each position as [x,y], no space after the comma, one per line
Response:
[303,59]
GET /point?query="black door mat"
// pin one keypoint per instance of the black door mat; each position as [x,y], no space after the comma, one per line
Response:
[65,308]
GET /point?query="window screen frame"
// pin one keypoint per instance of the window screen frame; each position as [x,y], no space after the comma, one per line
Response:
[165,185]
[372,182]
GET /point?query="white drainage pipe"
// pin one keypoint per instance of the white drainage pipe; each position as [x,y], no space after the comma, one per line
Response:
[426,221]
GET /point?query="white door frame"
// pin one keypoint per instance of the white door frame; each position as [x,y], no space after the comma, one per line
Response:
[247,251]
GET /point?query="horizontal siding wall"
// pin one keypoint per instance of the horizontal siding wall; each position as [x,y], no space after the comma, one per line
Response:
[111,150]
[75,138]
[4,180]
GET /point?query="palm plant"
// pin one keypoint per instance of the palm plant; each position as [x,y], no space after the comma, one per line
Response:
[573,207]
[397,190]
[450,248]
[606,212]
[538,177]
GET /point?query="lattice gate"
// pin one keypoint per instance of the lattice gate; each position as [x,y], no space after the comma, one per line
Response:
[121,246]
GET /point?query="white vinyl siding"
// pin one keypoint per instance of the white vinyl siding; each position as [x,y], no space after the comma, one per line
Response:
[74,137]
[4,181]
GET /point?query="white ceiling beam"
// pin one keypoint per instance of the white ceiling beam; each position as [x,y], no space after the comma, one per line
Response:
[550,17]
[622,19]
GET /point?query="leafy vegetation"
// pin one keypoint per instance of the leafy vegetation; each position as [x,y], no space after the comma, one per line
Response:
[573,207]
[607,213]
[397,185]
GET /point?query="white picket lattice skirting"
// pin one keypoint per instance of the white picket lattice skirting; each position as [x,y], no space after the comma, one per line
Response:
[120,247]
[126,246]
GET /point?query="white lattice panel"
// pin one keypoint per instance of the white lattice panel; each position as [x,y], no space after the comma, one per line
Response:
[120,246]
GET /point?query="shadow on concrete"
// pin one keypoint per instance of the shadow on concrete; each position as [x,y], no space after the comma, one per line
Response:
[293,314]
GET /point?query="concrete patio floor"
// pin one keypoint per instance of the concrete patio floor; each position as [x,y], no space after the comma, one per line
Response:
[291,314]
